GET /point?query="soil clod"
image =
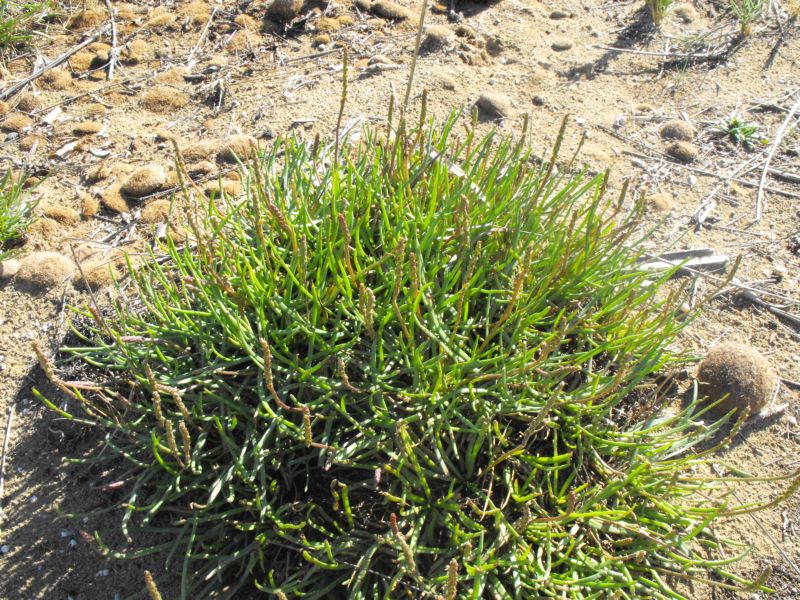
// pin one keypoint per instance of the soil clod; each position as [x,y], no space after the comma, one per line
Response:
[143,181]
[738,376]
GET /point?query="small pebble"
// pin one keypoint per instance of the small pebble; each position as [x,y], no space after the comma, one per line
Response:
[562,45]
[4,549]
[103,572]
[8,268]
[380,59]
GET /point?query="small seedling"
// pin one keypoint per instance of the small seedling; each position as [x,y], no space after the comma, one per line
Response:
[658,8]
[16,211]
[740,131]
[747,12]
[16,20]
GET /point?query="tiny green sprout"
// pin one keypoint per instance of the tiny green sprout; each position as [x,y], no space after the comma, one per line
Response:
[740,131]
[658,8]
[747,12]
[16,211]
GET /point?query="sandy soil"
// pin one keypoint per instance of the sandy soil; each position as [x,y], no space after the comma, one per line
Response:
[202,73]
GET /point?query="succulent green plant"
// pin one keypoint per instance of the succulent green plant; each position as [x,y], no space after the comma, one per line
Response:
[403,365]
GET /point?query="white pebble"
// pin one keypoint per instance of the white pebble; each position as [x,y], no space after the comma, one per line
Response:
[4,549]
[103,572]
[692,180]
[64,533]
[619,121]
[72,543]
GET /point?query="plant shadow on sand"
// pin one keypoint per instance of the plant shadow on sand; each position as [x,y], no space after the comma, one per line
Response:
[47,550]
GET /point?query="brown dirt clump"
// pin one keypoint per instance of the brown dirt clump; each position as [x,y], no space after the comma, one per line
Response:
[200,150]
[96,275]
[62,214]
[29,141]
[97,173]
[173,76]
[238,146]
[44,270]
[113,200]
[135,52]
[436,37]
[81,61]
[389,10]
[676,130]
[89,206]
[27,102]
[85,19]
[56,79]
[204,167]
[143,181]
[46,230]
[94,109]
[660,201]
[229,187]
[156,211]
[16,122]
[160,21]
[685,12]
[165,135]
[494,105]
[87,128]
[737,375]
[4,108]
[163,99]
[327,24]
[683,151]
[246,22]
[284,10]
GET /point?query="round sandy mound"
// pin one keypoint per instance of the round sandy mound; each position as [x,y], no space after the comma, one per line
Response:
[739,376]
[143,181]
[44,270]
[163,99]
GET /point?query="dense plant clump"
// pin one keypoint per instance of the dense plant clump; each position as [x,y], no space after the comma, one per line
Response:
[404,365]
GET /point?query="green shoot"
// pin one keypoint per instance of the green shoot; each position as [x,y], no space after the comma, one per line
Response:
[16,212]
[658,9]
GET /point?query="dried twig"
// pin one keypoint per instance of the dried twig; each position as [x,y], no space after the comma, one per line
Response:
[6,435]
[10,91]
[190,59]
[112,55]
[670,55]
[775,143]
[702,171]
